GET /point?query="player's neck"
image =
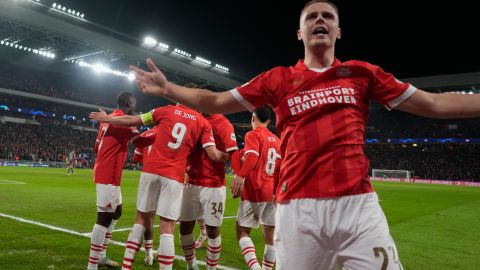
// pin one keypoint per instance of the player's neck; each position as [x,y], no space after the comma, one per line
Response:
[259,126]
[319,58]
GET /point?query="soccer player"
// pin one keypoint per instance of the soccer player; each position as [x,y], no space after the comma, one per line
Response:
[142,152]
[67,162]
[328,215]
[111,149]
[255,183]
[71,162]
[205,194]
[161,182]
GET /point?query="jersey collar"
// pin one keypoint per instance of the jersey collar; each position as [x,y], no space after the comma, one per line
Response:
[301,66]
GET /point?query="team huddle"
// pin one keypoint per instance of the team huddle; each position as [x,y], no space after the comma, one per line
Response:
[327,214]
[183,142]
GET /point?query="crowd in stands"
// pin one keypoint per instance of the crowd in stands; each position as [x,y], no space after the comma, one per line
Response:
[43,142]
[428,161]
[43,111]
[55,137]
[47,84]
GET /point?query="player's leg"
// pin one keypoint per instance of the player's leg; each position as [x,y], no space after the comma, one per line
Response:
[104,260]
[247,218]
[302,240]
[371,246]
[168,208]
[187,240]
[191,210]
[267,219]
[203,233]
[148,242]
[107,200]
[213,202]
[98,237]
[147,196]
[134,242]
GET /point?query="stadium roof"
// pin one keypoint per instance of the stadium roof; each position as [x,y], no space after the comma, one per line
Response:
[72,39]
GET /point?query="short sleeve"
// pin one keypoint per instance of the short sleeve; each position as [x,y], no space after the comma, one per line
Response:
[229,138]
[206,137]
[389,91]
[260,90]
[252,144]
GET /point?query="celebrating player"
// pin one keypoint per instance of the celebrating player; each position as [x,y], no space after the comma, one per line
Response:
[161,182]
[255,183]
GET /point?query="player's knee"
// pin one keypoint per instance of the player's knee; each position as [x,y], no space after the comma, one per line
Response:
[104,218]
[118,212]
[213,232]
[186,227]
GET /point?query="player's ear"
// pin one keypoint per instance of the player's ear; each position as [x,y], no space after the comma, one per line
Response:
[299,34]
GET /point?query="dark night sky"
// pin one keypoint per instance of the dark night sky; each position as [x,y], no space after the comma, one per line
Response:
[252,36]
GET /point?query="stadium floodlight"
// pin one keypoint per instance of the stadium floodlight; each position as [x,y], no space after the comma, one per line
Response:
[101,68]
[1,42]
[163,46]
[81,16]
[54,5]
[182,53]
[221,68]
[150,41]
[203,61]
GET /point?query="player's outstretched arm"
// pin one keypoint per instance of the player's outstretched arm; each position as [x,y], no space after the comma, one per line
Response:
[215,155]
[445,105]
[154,82]
[122,120]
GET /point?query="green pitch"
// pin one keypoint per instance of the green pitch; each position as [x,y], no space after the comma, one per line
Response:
[434,226]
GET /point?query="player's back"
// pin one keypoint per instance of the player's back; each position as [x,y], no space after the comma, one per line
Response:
[202,170]
[111,149]
[179,130]
[259,183]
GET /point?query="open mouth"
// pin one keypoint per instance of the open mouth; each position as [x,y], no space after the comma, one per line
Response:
[320,31]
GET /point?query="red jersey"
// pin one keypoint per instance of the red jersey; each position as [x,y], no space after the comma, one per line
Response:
[144,145]
[202,170]
[179,130]
[111,148]
[258,185]
[321,117]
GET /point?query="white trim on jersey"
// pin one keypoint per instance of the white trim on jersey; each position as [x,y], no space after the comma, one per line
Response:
[231,149]
[252,151]
[394,103]
[208,144]
[320,70]
[138,153]
[134,138]
[242,100]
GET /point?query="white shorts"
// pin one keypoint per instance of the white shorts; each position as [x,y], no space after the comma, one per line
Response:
[201,201]
[108,197]
[349,232]
[159,193]
[252,214]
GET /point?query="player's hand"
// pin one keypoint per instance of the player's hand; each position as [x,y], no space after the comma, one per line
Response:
[100,116]
[150,82]
[236,186]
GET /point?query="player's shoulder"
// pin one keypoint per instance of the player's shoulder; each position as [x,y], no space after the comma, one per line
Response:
[359,64]
[218,119]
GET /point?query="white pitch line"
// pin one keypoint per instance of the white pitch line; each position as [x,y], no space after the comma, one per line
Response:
[177,257]
[6,182]
[230,217]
